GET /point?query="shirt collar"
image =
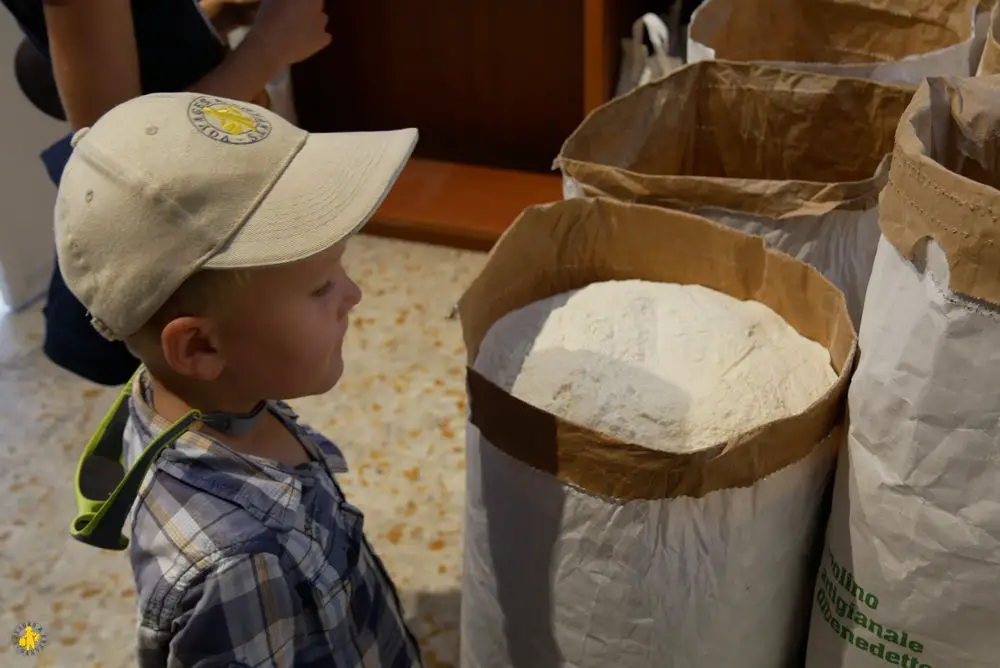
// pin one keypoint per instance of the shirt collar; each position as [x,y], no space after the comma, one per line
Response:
[265,489]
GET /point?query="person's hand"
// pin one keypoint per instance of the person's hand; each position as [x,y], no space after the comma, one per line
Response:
[290,30]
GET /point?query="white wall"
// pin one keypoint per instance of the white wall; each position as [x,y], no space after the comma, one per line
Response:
[26,194]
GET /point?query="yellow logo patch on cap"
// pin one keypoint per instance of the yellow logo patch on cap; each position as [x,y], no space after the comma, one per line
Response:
[226,122]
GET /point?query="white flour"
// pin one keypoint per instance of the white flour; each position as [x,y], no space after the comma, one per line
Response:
[671,367]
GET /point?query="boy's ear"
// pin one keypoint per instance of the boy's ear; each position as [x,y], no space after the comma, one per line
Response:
[191,348]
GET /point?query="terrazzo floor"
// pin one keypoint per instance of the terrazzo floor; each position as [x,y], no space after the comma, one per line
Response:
[398,415]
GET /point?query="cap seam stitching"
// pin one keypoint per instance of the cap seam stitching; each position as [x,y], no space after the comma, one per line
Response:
[261,196]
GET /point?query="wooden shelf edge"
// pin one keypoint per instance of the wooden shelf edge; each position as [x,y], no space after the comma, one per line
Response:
[431,233]
[463,206]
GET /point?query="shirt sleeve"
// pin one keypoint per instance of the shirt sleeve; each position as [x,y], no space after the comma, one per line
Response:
[242,614]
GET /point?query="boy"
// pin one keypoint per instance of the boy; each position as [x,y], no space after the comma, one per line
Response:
[207,234]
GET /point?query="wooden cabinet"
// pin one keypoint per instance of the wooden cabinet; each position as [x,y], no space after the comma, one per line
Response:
[494,87]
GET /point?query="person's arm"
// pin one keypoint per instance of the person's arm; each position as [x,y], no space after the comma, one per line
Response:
[242,613]
[95,60]
[94,56]
[283,32]
[244,72]
[96,63]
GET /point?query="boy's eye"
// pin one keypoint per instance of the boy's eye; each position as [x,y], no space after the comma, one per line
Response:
[323,289]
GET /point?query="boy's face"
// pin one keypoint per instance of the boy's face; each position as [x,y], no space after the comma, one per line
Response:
[283,336]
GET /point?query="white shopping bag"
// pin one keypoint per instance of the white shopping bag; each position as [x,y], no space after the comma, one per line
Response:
[639,66]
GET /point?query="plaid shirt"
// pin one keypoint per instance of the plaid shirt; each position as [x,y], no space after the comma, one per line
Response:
[240,562]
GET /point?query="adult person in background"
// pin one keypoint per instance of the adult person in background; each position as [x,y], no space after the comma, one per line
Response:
[103,52]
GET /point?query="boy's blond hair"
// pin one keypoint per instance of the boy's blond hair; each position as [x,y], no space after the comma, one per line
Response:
[203,293]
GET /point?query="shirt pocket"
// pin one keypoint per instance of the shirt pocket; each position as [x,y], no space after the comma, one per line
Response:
[356,605]
[359,618]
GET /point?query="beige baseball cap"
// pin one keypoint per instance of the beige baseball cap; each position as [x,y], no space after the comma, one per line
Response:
[170,183]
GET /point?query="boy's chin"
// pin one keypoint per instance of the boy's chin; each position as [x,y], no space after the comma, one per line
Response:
[317,384]
[330,378]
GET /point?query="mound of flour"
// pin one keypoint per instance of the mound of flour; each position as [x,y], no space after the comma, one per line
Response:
[671,367]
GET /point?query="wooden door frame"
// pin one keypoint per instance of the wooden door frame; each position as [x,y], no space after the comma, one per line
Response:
[597,54]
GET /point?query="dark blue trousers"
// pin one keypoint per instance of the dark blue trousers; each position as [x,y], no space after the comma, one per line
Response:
[70,340]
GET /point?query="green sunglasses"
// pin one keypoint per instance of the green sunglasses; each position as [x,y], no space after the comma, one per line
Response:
[105,492]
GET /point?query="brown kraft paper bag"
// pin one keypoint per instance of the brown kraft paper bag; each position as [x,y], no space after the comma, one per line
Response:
[909,576]
[990,63]
[896,41]
[585,551]
[797,158]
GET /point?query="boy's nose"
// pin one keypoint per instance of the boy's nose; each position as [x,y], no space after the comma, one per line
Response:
[353,293]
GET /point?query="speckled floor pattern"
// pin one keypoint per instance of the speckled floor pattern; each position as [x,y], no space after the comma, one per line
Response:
[398,415]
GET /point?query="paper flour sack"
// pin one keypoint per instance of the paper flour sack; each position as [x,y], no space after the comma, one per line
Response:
[989,64]
[909,574]
[651,435]
[759,149]
[895,41]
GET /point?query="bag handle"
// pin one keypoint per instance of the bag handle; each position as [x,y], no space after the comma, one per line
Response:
[659,36]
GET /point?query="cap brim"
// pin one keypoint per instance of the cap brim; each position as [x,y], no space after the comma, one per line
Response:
[331,188]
